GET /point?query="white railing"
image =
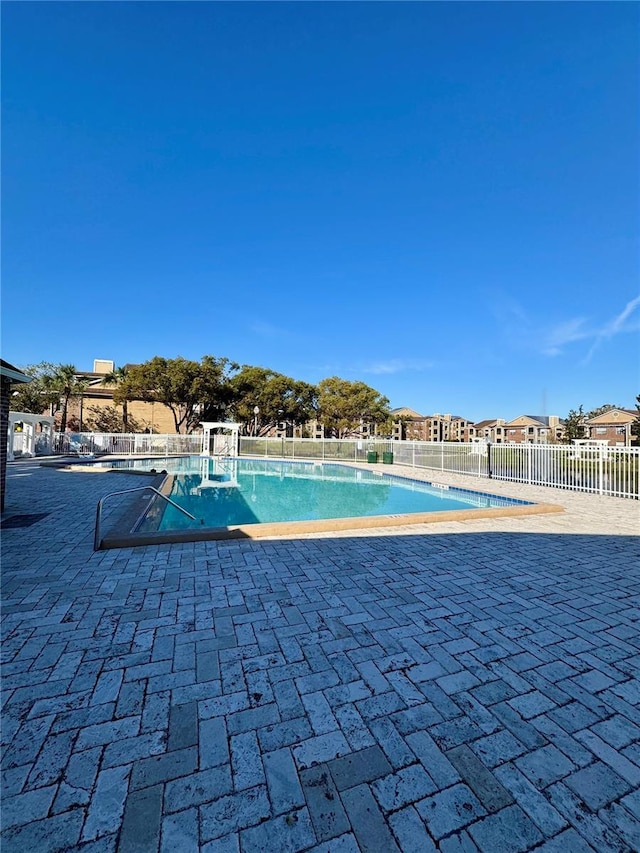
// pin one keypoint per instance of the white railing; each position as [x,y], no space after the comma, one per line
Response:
[128,444]
[600,470]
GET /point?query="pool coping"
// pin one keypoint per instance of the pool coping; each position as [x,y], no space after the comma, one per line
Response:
[321,525]
[117,538]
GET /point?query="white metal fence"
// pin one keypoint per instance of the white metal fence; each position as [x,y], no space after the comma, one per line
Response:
[100,443]
[599,470]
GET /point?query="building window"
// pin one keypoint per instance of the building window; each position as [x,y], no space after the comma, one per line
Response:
[601,430]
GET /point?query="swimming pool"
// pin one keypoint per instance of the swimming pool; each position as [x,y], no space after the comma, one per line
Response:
[224,493]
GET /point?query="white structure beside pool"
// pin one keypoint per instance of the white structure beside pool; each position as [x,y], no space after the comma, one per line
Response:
[29,435]
[225,438]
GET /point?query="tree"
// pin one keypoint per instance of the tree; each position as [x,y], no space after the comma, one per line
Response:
[66,382]
[635,426]
[109,419]
[117,378]
[278,398]
[215,389]
[193,391]
[343,405]
[574,426]
[386,427]
[35,396]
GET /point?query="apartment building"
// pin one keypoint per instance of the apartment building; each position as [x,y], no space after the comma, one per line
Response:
[412,426]
[533,429]
[408,425]
[613,426]
[152,417]
[453,427]
[491,429]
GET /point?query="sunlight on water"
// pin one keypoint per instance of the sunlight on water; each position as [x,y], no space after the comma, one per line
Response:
[224,492]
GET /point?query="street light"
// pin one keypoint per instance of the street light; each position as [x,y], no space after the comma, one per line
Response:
[256,412]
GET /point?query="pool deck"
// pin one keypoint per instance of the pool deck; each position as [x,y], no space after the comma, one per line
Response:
[472,685]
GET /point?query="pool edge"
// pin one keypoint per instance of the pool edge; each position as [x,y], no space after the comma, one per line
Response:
[323,525]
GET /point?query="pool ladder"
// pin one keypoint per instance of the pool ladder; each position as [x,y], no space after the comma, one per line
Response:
[96,534]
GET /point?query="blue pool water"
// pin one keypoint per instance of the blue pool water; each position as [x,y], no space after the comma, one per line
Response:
[225,492]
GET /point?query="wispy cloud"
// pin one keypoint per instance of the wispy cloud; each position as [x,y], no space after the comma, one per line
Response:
[551,341]
[564,333]
[397,365]
[615,326]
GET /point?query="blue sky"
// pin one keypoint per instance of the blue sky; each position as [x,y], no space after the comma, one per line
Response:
[439,199]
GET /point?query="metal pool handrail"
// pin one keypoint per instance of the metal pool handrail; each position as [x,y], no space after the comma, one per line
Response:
[96,534]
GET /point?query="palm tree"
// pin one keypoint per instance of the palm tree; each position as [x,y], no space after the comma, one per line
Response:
[67,383]
[117,378]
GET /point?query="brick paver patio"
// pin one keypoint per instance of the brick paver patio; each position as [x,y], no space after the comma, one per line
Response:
[459,687]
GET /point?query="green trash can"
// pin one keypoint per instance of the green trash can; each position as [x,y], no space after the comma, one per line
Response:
[372,456]
[387,457]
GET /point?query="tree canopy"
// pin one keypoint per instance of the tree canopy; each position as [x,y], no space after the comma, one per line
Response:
[342,405]
[68,383]
[213,389]
[52,385]
[117,378]
[278,398]
[574,426]
[37,395]
[109,419]
[193,391]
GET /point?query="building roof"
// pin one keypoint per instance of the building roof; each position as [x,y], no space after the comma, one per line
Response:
[544,419]
[12,373]
[404,411]
[536,420]
[490,423]
[614,416]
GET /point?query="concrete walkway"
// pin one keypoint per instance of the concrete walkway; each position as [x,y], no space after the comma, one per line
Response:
[458,687]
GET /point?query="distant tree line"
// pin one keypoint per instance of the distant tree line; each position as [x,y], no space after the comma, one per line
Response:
[213,389]
[216,389]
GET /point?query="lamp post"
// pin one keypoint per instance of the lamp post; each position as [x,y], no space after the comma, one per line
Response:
[282,434]
[256,412]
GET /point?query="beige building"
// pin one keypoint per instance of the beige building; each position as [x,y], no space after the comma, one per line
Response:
[533,429]
[408,425]
[613,426]
[491,430]
[151,417]
[412,426]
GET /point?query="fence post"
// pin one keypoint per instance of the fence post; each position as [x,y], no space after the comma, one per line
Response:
[601,470]
[529,449]
[442,456]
